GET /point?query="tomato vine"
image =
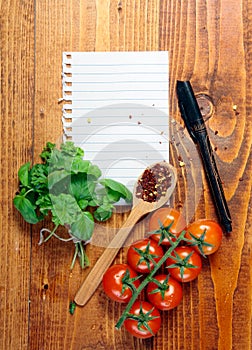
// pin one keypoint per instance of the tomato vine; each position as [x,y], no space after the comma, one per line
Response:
[148,279]
[179,249]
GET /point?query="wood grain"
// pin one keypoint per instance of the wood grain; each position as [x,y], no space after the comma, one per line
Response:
[209,43]
[16,143]
[220,54]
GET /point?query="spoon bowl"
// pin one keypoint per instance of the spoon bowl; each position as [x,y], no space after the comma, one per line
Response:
[142,205]
[164,168]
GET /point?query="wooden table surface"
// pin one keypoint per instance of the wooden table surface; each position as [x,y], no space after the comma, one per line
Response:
[210,43]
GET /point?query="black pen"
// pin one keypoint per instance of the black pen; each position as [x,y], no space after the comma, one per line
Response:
[195,125]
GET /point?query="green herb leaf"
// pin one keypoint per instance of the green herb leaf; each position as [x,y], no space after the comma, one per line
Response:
[56,176]
[69,148]
[104,212]
[47,151]
[82,203]
[95,171]
[26,208]
[44,203]
[72,307]
[59,161]
[81,188]
[95,201]
[38,176]
[113,196]
[23,174]
[118,187]
[83,227]
[80,166]
[65,209]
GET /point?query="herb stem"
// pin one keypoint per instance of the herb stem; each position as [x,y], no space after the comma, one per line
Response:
[82,255]
[75,256]
[30,190]
[84,261]
[51,233]
[147,280]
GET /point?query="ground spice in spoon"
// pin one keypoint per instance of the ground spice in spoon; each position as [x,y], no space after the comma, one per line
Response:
[154,183]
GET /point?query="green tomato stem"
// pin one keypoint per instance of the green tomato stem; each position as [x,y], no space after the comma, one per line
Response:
[148,279]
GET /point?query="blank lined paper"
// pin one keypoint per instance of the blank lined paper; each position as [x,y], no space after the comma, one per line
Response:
[116,109]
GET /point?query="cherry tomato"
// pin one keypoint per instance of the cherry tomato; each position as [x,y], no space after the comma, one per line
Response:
[206,236]
[142,253]
[116,282]
[148,323]
[184,264]
[168,224]
[164,292]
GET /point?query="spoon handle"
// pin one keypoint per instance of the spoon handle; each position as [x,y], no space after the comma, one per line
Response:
[94,278]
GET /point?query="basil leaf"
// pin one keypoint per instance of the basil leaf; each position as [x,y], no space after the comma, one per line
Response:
[104,212]
[44,203]
[47,151]
[81,188]
[117,187]
[56,176]
[83,227]
[69,148]
[65,209]
[38,177]
[83,203]
[23,174]
[79,165]
[95,171]
[113,196]
[59,161]
[25,207]
[94,202]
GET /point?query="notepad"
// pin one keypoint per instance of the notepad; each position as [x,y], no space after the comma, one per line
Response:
[116,109]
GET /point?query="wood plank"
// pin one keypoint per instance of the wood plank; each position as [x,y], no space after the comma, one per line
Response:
[51,262]
[208,53]
[57,30]
[209,44]
[16,142]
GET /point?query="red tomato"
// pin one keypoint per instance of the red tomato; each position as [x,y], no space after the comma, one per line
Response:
[167,222]
[148,323]
[115,282]
[164,292]
[206,236]
[141,254]
[184,264]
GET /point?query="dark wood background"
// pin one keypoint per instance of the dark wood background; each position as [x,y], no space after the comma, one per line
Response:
[210,43]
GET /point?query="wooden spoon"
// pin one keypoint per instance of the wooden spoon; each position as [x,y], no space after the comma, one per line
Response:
[140,208]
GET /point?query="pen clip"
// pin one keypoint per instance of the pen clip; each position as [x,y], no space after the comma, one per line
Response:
[189,109]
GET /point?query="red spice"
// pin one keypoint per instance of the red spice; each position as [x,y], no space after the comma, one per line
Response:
[154,183]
